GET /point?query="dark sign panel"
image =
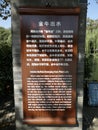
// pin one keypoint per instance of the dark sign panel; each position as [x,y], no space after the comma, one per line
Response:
[49,65]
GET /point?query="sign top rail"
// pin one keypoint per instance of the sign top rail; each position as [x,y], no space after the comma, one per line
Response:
[49,11]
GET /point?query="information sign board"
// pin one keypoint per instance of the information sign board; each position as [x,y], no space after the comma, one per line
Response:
[49,47]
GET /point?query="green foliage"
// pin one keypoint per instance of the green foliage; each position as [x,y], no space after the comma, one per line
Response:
[5,58]
[91,50]
[5,10]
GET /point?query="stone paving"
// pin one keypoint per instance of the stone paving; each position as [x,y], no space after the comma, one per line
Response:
[94,125]
[90,114]
[7,113]
[90,118]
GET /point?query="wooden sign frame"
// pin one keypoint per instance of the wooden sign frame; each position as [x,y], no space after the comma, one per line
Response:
[49,49]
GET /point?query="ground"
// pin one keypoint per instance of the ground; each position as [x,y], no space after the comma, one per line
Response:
[7,112]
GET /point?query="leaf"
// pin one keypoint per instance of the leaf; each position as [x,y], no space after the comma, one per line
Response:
[5,9]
